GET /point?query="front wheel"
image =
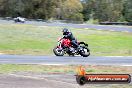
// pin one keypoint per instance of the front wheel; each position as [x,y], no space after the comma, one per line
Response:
[58,52]
[85,52]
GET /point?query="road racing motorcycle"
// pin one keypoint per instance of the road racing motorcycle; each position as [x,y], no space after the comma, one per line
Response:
[65,47]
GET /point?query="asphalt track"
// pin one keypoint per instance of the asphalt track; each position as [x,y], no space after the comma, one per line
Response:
[70,25]
[66,60]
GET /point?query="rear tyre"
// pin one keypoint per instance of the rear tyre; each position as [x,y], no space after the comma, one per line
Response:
[58,52]
[85,52]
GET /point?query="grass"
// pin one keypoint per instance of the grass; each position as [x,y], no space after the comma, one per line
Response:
[12,68]
[26,39]
[38,40]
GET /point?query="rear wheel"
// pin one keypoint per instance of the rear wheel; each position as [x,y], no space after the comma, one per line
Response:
[58,52]
[85,52]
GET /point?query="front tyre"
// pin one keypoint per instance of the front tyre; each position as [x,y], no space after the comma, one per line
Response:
[85,52]
[58,52]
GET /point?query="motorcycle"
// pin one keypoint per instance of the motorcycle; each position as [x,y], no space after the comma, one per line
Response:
[65,47]
[19,19]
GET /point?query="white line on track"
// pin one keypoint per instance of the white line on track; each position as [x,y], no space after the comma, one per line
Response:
[112,30]
[51,64]
[124,31]
[118,56]
[126,65]
[86,28]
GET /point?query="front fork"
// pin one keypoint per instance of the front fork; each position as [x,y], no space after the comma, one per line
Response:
[59,46]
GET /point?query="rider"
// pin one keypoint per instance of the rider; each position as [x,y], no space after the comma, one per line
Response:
[68,35]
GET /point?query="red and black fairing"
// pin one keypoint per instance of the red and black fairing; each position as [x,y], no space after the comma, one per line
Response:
[64,43]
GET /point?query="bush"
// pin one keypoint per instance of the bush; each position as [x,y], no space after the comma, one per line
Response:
[93,21]
[76,17]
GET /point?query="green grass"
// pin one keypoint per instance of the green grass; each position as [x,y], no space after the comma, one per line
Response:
[35,40]
[14,68]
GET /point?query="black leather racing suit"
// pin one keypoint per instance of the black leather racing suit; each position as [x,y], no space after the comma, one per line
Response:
[70,36]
